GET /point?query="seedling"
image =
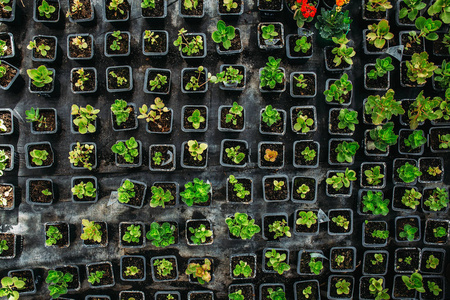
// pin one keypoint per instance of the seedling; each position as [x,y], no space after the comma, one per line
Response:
[277,294]
[341,221]
[190,4]
[200,272]
[121,111]
[373,175]
[307,292]
[302,44]
[271,74]
[380,234]
[383,108]
[53,236]
[434,288]
[437,200]
[342,179]
[155,112]
[411,198]
[196,119]
[382,67]
[306,218]
[300,81]
[82,190]
[194,82]
[343,287]
[82,78]
[85,117]
[409,232]
[303,190]
[342,53]
[382,137]
[408,173]
[277,185]
[419,68]
[46,9]
[303,123]
[79,42]
[160,197]
[163,267]
[7,8]
[128,150]
[151,4]
[432,262]
[42,48]
[95,277]
[115,5]
[40,76]
[277,261]
[439,232]
[346,151]
[234,112]
[269,33]
[120,79]
[32,115]
[376,288]
[239,188]
[39,156]
[242,226]
[196,192]
[243,268]
[81,155]
[378,259]
[338,90]
[132,271]
[132,234]
[434,171]
[414,282]
[189,47]
[379,34]
[315,266]
[58,283]
[270,115]
[161,235]
[234,154]
[158,82]
[348,119]
[46,192]
[224,34]
[407,260]
[236,295]
[373,202]
[309,154]
[200,234]
[280,229]
[196,150]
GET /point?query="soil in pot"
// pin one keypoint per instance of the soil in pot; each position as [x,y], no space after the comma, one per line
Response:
[223,9]
[88,85]
[196,224]
[172,188]
[239,119]
[378,267]
[434,137]
[236,43]
[5,188]
[49,123]
[173,274]
[63,228]
[369,228]
[7,39]
[129,123]
[270,5]
[201,296]
[279,160]
[104,231]
[315,292]
[277,127]
[8,154]
[407,260]
[9,238]
[399,192]
[192,73]
[310,182]
[160,45]
[347,97]
[53,16]
[427,163]
[85,197]
[36,188]
[304,262]
[373,15]
[122,42]
[8,120]
[429,233]
[342,191]
[265,289]
[334,121]
[83,11]
[412,47]
[426,256]
[304,228]
[108,276]
[247,291]
[403,135]
[309,90]
[138,198]
[232,195]
[439,48]
[250,260]
[194,11]
[27,277]
[329,60]
[75,284]
[242,149]
[133,261]
[428,294]
[164,124]
[309,112]
[278,37]
[292,43]
[298,156]
[401,223]
[367,167]
[347,264]
[158,11]
[76,52]
[165,157]
[269,189]
[164,88]
[115,14]
[190,160]
[379,83]
[333,288]
[188,111]
[11,73]
[136,296]
[268,220]
[401,291]
[333,227]
[123,230]
[120,73]
[398,164]
[46,41]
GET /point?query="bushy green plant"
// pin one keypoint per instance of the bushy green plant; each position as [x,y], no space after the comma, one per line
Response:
[200,234]
[373,202]
[373,175]
[376,289]
[439,232]
[343,287]
[280,229]
[342,179]
[239,188]
[270,115]
[151,4]
[411,9]
[346,151]
[242,226]
[332,23]
[423,109]
[438,199]
[39,156]
[224,34]
[189,46]
[58,283]
[341,52]
[10,287]
[195,192]
[301,44]
[84,117]
[338,89]
[382,137]
[160,197]
[408,173]
[234,154]
[128,150]
[276,261]
[415,139]
[444,141]
[277,294]
[419,68]
[434,288]
[382,67]
[132,234]
[161,235]
[53,236]
[348,119]
[81,155]
[268,32]
[441,8]
[163,266]
[442,75]
[46,9]
[411,198]
[95,277]
[242,268]
[414,282]
[40,76]
[196,119]
[234,112]
[236,295]
[379,34]
[309,154]
[200,272]
[196,149]
[126,191]
[432,262]
[91,231]
[315,266]
[408,232]
[303,123]
[82,190]
[383,108]
[341,221]
[306,218]
[271,74]
[158,82]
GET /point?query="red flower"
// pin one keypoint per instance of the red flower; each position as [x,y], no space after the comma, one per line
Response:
[307,9]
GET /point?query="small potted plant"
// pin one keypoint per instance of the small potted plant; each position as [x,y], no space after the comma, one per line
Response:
[275,260]
[192,9]
[414,72]
[7,196]
[100,275]
[338,91]
[306,154]
[407,286]
[241,290]
[230,8]
[407,229]
[405,171]
[407,260]
[373,175]
[340,287]
[200,271]
[375,262]
[25,282]
[227,39]
[303,84]
[414,41]
[43,121]
[339,183]
[191,45]
[271,155]
[270,35]
[272,121]
[199,232]
[342,121]
[119,79]
[42,80]
[195,80]
[436,232]
[155,42]
[8,11]
[131,235]
[194,155]
[231,118]
[306,222]
[380,109]
[378,140]
[197,192]
[376,38]
[234,153]
[434,287]
[39,155]
[157,81]
[123,115]
[71,272]
[411,142]
[275,226]
[95,234]
[84,119]
[39,191]
[242,226]
[375,10]
[307,289]
[272,77]
[299,46]
[342,259]
[275,188]
[159,118]
[272,290]
[117,43]
[80,46]
[303,119]
[84,80]
[310,262]
[84,189]
[435,200]
[377,76]
[405,199]
[339,57]
[46,11]
[342,151]
[6,121]
[372,202]
[432,261]
[163,234]
[239,189]
[194,118]
[131,193]
[128,153]
[341,222]
[243,266]
[57,234]
[304,189]
[164,268]
[80,11]
[439,139]
[375,233]
[231,77]
[116,10]
[268,8]
[133,268]
[44,48]
[162,157]
[164,194]
[154,9]
[8,245]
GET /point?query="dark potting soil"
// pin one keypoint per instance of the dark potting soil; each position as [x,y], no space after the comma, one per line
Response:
[201,296]
[120,72]
[278,86]
[426,255]
[403,135]
[342,191]
[175,233]
[76,52]
[123,43]
[278,37]
[292,43]
[279,252]
[9,238]
[277,127]
[379,83]
[367,167]
[88,85]
[49,123]
[192,73]
[265,289]
[268,220]
[138,195]
[270,192]
[53,16]
[315,292]
[400,223]
[378,268]
[192,12]
[9,75]
[7,121]
[405,20]
[123,230]
[85,198]
[164,124]
[298,156]
[347,97]
[8,154]
[173,274]
[304,228]
[348,259]
[426,194]
[129,123]
[84,12]
[121,160]
[334,121]
[250,260]
[398,164]
[241,70]
[223,116]
[399,192]
[159,46]
[373,15]
[372,151]
[190,160]
[47,41]
[247,291]
[236,43]
[75,284]
[104,232]
[172,188]
[304,262]
[309,112]
[97,298]
[333,289]
[108,276]
[429,234]
[401,291]
[196,224]
[6,38]
[26,276]
[402,265]
[369,228]
[165,164]
[247,184]
[309,90]
[63,228]
[3,13]
[270,5]
[310,182]
[434,137]
[439,48]
[163,89]
[188,111]
[223,9]
[329,60]
[242,149]
[333,227]
[412,47]
[429,295]
[36,188]
[136,296]
[158,11]
[279,161]
[115,14]
[9,199]
[133,261]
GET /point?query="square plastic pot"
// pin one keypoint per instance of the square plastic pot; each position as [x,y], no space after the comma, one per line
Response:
[122,268]
[203,91]
[95,80]
[375,88]
[72,146]
[183,112]
[330,187]
[201,260]
[337,140]
[264,260]
[192,57]
[14,246]
[417,218]
[46,132]
[130,165]
[343,270]
[222,147]
[31,272]
[51,2]
[328,83]
[228,196]
[253,257]
[307,107]
[406,131]
[313,282]
[306,33]
[83,21]
[319,253]
[360,201]
[272,285]
[71,36]
[398,162]
[45,60]
[261,155]
[188,222]
[12,158]
[386,261]
[300,200]
[335,69]
[123,244]
[11,113]
[268,45]
[383,169]
[398,278]
[296,217]
[317,155]
[365,43]
[101,263]
[411,267]
[183,165]
[286,180]
[281,215]
[165,132]
[442,285]
[96,297]
[124,294]
[72,125]
[268,12]
[127,13]
[192,16]
[219,125]
[13,13]
[175,267]
[173,293]
[429,225]
[363,6]
[74,198]
[27,156]
[136,111]
[30,84]
[111,90]
[147,79]
[231,52]
[273,90]
[292,83]
[233,87]
[367,245]
[28,192]
[402,208]
[157,32]
[283,118]
[177,190]
[231,14]
[363,279]
[68,233]
[143,194]
[350,279]
[351,219]
[374,152]
[425,208]
[173,161]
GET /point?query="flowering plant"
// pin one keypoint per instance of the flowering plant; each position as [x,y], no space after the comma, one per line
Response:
[340,4]
[303,11]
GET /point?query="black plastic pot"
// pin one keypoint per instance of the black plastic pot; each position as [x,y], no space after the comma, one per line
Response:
[304,257]
[186,126]
[278,163]
[364,283]
[310,77]
[329,63]
[249,258]
[164,90]
[82,19]
[270,218]
[147,49]
[400,291]
[133,245]
[401,263]
[201,54]
[74,270]
[73,80]
[439,281]
[7,117]
[426,194]
[280,89]
[162,295]
[126,295]
[368,228]
[43,19]
[108,277]
[397,195]
[195,224]
[116,16]
[303,230]
[225,161]
[247,290]
[128,74]
[48,41]
[333,229]
[168,163]
[299,286]
[140,189]
[310,196]
[333,121]
[45,91]
[64,228]
[332,290]
[372,16]
[36,186]
[40,146]
[197,295]
[173,276]
[231,194]
[80,167]
[376,84]
[291,43]
[185,161]
[405,150]
[232,50]
[270,195]
[429,233]
[371,49]
[374,152]
[172,187]
[234,12]
[192,14]
[189,72]
[349,254]
[332,155]
[343,192]
[379,268]
[130,124]
[234,86]
[230,127]
[76,180]
[298,159]
[104,239]
[49,114]
[127,164]
[26,275]
[263,288]
[428,254]
[267,269]
[11,242]
[11,160]
[12,15]
[271,44]
[9,39]
[398,162]
[274,129]
[433,139]
[400,222]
